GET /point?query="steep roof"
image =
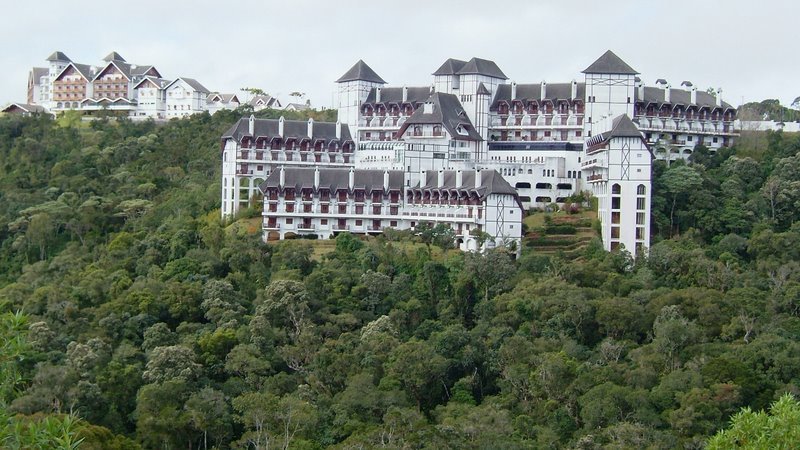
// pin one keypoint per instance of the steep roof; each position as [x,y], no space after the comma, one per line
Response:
[448,112]
[482,90]
[611,64]
[491,182]
[450,67]
[332,179]
[482,67]
[58,56]
[528,92]
[395,94]
[222,98]
[159,82]
[113,56]
[24,107]
[265,99]
[194,84]
[297,129]
[84,70]
[622,126]
[678,97]
[361,71]
[38,72]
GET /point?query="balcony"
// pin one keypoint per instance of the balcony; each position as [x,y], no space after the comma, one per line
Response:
[338,227]
[596,162]
[306,227]
[596,178]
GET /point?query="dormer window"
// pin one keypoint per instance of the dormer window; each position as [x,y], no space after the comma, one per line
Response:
[461,130]
[427,108]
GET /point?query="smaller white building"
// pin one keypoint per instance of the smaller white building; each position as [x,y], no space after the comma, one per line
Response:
[185,96]
[216,101]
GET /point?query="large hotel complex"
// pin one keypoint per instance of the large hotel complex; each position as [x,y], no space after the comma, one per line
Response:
[473,150]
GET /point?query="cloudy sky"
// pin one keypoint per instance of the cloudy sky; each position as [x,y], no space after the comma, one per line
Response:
[748,48]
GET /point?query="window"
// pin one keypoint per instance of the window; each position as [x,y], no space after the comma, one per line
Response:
[393,223]
[615,202]
[323,221]
[615,232]
[640,233]
[616,189]
[615,217]
[289,221]
[640,218]
[641,190]
[359,222]
[640,203]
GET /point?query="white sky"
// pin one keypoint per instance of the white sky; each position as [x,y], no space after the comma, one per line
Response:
[748,48]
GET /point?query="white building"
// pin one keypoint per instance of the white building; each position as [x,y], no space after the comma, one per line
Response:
[138,91]
[479,206]
[184,96]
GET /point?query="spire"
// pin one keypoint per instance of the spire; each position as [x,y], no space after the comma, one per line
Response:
[361,71]
[611,64]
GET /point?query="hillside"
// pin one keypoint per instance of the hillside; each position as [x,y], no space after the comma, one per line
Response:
[161,327]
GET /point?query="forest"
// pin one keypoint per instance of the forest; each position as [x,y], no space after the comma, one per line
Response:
[132,317]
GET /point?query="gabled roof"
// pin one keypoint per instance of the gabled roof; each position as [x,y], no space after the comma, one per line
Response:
[395,94]
[450,67]
[84,70]
[621,127]
[24,107]
[266,100]
[58,56]
[296,129]
[38,72]
[482,90]
[222,98]
[361,71]
[296,107]
[160,83]
[113,56]
[482,67]
[123,67]
[447,111]
[194,84]
[611,64]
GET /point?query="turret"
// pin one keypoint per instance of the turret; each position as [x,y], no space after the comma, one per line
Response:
[282,178]
[351,179]
[310,128]
[280,126]
[316,178]
[251,125]
[385,181]
[478,179]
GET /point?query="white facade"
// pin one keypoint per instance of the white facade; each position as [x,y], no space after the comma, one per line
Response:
[184,97]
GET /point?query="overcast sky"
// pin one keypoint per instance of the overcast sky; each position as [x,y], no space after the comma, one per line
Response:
[748,48]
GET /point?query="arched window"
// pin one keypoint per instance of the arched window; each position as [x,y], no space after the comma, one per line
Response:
[616,189]
[417,130]
[641,190]
[437,130]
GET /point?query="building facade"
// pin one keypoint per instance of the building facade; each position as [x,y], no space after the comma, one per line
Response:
[138,91]
[547,140]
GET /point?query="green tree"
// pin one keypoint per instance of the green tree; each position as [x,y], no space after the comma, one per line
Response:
[776,429]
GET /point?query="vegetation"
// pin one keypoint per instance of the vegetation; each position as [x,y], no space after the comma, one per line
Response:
[161,327]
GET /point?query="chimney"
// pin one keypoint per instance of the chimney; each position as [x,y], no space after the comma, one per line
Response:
[310,128]
[478,178]
[407,179]
[338,130]
[543,93]
[440,179]
[252,125]
[459,179]
[405,94]
[280,126]
[282,178]
[513,90]
[667,93]
[316,178]
[718,97]
[351,181]
[377,95]
[433,89]
[423,179]
[574,91]
[641,91]
[693,96]
[385,181]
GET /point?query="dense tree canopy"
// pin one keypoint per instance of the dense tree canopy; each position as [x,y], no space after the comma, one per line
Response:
[161,326]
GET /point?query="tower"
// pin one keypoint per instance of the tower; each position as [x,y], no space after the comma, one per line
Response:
[56,63]
[354,86]
[610,84]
